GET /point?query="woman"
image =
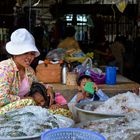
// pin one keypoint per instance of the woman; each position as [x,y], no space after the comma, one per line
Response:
[16,75]
[118,50]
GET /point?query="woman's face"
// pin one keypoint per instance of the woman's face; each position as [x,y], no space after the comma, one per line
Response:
[39,99]
[24,60]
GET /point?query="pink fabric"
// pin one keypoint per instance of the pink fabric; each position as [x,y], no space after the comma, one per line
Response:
[24,88]
[59,99]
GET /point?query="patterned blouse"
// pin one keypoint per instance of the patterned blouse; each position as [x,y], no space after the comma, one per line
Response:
[10,81]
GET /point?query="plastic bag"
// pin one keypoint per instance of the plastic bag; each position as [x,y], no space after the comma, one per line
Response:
[56,54]
[96,75]
[87,64]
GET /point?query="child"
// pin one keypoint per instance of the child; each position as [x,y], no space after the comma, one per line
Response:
[39,93]
[44,96]
[83,95]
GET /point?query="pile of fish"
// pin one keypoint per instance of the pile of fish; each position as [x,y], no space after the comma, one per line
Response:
[118,104]
[121,128]
[126,127]
[30,121]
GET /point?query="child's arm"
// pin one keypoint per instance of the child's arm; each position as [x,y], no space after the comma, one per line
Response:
[51,94]
[95,87]
[80,96]
[77,98]
[102,96]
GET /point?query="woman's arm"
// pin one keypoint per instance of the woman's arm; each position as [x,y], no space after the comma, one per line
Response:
[5,96]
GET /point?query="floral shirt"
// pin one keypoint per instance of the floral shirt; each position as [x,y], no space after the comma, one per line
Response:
[10,81]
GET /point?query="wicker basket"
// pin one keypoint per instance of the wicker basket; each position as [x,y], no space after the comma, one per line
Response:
[71,134]
[71,78]
[49,73]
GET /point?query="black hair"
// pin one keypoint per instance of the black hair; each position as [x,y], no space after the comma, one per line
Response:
[38,87]
[81,78]
[96,97]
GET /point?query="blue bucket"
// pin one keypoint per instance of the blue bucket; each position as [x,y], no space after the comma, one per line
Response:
[71,134]
[110,75]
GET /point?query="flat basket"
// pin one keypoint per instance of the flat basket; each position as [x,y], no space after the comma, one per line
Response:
[71,134]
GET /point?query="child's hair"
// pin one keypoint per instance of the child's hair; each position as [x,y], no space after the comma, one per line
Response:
[82,77]
[38,87]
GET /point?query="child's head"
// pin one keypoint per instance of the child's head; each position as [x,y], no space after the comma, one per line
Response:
[82,81]
[39,93]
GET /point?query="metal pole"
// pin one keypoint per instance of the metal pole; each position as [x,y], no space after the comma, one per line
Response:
[30,5]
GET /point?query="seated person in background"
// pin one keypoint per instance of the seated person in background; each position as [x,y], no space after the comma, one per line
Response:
[118,50]
[83,95]
[104,54]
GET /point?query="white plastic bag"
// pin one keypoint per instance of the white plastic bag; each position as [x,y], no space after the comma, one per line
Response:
[87,64]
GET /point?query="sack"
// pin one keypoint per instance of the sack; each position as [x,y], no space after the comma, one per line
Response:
[71,78]
[48,73]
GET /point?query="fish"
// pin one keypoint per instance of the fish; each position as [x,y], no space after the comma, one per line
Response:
[16,133]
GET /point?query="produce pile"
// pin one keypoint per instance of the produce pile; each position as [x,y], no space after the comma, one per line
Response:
[30,121]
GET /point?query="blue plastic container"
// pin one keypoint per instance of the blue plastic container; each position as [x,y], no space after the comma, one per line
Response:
[111,75]
[71,134]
